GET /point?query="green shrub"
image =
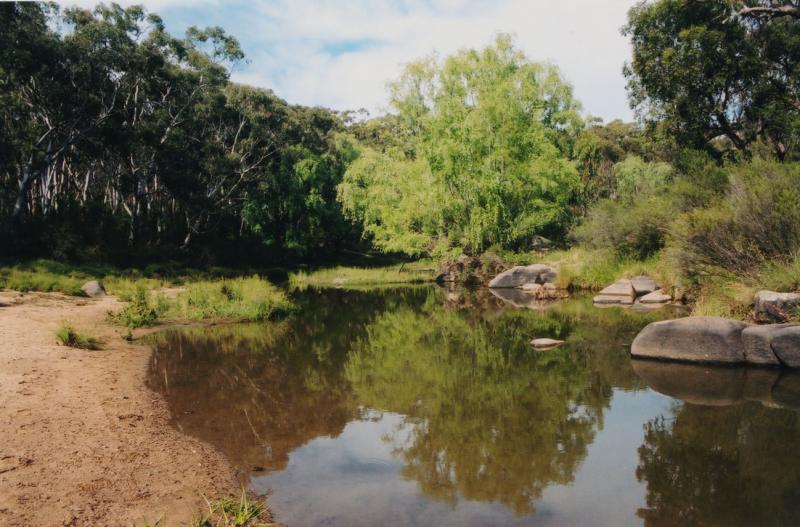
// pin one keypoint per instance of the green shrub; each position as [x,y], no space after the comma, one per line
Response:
[67,336]
[140,311]
[637,230]
[637,179]
[758,221]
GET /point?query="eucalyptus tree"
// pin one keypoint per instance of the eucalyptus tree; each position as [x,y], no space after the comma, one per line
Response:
[719,72]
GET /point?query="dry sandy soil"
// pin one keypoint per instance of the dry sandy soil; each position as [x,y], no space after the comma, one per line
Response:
[83,441]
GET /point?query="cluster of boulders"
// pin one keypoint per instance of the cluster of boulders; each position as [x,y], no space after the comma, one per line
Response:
[639,290]
[536,281]
[719,340]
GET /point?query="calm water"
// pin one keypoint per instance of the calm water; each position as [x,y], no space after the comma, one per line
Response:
[418,406]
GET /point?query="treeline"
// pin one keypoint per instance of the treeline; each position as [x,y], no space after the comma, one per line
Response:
[117,138]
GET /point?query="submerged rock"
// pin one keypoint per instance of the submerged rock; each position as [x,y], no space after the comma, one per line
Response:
[545,343]
[524,274]
[93,288]
[770,305]
[693,339]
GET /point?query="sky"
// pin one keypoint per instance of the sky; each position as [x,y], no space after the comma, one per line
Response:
[341,53]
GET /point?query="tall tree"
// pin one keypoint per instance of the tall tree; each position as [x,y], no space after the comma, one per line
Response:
[719,70]
[494,130]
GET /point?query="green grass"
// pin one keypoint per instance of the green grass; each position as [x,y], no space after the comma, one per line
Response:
[250,299]
[355,277]
[229,512]
[588,269]
[67,336]
[37,277]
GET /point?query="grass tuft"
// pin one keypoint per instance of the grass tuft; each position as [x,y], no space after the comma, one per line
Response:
[229,512]
[67,336]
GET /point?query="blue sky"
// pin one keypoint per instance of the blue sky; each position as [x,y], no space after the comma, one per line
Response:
[342,53]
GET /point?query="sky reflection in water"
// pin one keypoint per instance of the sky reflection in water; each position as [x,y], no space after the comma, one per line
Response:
[416,407]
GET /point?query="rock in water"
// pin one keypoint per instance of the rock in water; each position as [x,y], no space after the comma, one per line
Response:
[620,292]
[693,339]
[93,288]
[643,285]
[546,343]
[521,275]
[786,345]
[770,305]
[757,342]
[656,297]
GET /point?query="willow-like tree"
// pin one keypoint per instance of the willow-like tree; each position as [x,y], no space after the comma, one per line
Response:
[491,133]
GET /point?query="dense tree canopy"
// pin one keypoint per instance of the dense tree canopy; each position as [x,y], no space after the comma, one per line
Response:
[117,135]
[719,69]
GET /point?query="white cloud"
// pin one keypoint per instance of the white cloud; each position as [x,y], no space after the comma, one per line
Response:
[297,47]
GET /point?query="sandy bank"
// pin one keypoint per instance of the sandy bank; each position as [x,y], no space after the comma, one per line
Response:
[83,441]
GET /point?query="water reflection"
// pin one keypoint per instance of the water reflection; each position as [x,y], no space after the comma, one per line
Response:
[421,406]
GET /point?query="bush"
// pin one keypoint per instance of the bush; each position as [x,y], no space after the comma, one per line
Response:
[758,221]
[139,312]
[67,336]
[638,230]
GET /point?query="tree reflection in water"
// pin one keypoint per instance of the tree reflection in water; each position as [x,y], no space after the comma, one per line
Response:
[728,457]
[484,416]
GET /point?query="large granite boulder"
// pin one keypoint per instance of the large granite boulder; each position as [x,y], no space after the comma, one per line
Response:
[757,342]
[93,288]
[772,306]
[524,274]
[620,292]
[693,339]
[786,345]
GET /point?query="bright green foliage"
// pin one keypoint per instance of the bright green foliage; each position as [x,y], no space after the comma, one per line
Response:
[397,201]
[711,71]
[492,131]
[239,299]
[141,311]
[637,180]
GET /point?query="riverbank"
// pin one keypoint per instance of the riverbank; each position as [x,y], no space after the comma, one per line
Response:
[83,441]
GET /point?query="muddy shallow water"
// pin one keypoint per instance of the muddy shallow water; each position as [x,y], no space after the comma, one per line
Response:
[420,406]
